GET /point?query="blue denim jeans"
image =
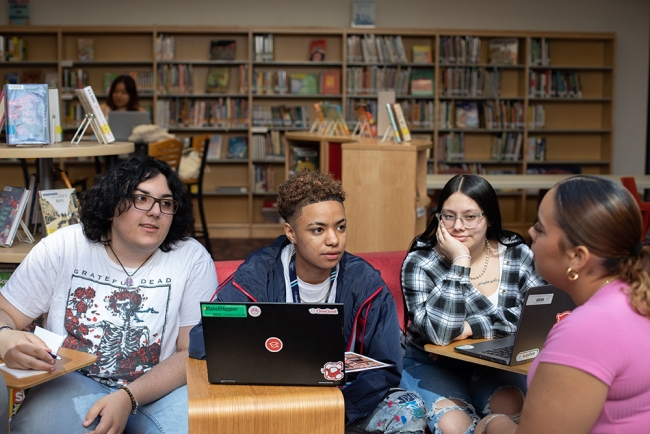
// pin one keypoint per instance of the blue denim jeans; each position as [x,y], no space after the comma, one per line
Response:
[60,406]
[449,378]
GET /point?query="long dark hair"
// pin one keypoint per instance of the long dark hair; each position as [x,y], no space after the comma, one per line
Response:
[112,195]
[603,216]
[131,89]
[481,192]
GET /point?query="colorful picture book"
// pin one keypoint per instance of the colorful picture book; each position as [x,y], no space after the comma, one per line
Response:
[422,82]
[404,132]
[467,114]
[27,114]
[217,80]
[302,83]
[223,49]
[215,147]
[237,147]
[304,158]
[85,50]
[317,48]
[60,208]
[330,82]
[365,116]
[393,123]
[12,205]
[422,54]
[503,51]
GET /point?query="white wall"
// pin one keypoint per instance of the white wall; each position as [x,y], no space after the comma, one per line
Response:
[630,19]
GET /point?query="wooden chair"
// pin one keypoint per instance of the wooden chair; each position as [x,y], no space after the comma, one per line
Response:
[629,183]
[195,188]
[168,150]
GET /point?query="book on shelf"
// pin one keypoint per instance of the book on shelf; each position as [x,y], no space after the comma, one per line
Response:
[270,212]
[237,148]
[52,79]
[393,123]
[32,186]
[304,157]
[317,48]
[363,13]
[365,116]
[330,82]
[467,114]
[18,12]
[31,76]
[56,132]
[91,106]
[303,83]
[503,51]
[404,132]
[422,82]
[59,207]
[12,78]
[85,50]
[223,49]
[422,54]
[12,205]
[27,114]
[217,80]
[215,147]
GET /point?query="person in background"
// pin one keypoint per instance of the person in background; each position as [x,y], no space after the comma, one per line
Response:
[122,96]
[592,374]
[124,285]
[464,277]
[312,253]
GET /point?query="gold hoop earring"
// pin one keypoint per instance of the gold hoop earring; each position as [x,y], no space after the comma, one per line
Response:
[571,274]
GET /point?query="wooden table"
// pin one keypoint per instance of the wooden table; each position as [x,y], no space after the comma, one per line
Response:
[46,153]
[221,409]
[448,351]
[71,361]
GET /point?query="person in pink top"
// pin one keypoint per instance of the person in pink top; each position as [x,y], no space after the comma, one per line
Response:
[592,375]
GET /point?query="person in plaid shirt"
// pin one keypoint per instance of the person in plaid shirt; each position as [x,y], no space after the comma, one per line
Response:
[465,276]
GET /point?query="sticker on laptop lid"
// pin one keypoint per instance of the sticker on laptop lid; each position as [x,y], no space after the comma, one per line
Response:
[273,344]
[527,355]
[323,311]
[224,310]
[254,311]
[332,371]
[538,299]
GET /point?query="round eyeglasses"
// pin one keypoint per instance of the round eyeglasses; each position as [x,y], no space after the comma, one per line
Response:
[145,202]
[470,221]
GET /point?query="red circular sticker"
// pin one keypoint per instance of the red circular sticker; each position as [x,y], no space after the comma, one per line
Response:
[273,345]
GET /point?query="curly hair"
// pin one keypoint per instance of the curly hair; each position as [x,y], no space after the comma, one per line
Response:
[305,188]
[586,206]
[112,194]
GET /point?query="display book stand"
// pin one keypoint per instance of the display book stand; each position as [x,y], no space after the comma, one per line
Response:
[89,119]
[329,128]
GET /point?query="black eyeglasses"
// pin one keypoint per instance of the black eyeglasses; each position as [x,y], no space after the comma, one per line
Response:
[145,202]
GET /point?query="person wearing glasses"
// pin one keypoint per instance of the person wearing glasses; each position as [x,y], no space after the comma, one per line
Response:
[124,285]
[464,277]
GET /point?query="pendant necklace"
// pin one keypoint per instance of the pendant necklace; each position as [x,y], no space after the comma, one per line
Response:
[128,281]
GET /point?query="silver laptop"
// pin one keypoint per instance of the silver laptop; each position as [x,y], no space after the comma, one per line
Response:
[123,122]
[544,306]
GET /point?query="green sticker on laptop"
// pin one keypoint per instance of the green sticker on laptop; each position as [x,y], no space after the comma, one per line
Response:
[220,310]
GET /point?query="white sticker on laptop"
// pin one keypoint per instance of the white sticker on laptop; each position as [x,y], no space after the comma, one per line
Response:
[323,311]
[539,299]
[254,311]
[527,355]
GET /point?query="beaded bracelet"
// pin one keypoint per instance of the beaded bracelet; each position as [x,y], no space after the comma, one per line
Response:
[461,256]
[490,420]
[134,403]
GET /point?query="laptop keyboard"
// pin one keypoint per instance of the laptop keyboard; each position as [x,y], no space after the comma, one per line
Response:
[505,352]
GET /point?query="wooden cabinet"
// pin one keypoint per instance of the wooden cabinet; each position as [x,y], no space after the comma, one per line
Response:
[481,114]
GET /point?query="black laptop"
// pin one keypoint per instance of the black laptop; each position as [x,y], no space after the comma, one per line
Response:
[123,122]
[544,306]
[274,343]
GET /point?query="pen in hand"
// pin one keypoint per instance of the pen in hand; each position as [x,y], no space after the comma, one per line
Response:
[54,356]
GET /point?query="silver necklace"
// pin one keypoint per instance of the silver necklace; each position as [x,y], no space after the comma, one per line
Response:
[487,260]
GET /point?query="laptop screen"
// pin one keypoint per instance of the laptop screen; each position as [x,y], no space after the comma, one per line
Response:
[123,122]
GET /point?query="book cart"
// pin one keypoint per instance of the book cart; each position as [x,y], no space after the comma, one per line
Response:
[574,129]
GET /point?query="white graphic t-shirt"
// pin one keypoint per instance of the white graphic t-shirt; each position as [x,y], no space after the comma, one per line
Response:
[129,328]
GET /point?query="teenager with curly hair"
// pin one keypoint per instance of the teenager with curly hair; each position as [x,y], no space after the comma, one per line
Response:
[124,285]
[592,374]
[314,246]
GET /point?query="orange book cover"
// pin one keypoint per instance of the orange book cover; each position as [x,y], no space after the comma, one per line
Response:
[330,82]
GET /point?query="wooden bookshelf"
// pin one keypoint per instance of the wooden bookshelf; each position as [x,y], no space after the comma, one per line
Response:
[577,131]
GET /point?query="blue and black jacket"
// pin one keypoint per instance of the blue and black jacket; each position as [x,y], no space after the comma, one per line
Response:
[370,325]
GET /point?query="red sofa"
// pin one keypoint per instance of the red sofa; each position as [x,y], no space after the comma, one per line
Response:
[389,265]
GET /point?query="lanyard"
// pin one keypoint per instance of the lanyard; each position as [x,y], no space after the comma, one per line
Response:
[293,278]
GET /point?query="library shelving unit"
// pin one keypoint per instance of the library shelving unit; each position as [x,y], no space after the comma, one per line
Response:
[545,106]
